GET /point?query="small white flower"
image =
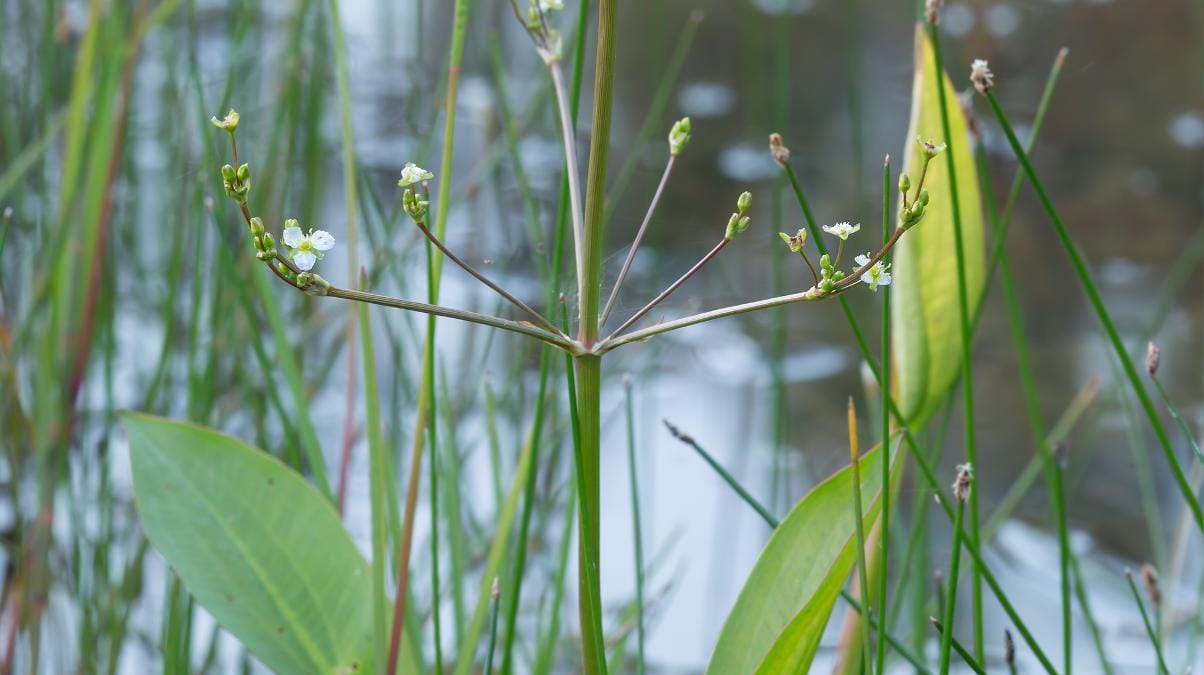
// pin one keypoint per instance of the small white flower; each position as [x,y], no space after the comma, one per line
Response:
[412,173]
[875,276]
[842,230]
[981,76]
[306,248]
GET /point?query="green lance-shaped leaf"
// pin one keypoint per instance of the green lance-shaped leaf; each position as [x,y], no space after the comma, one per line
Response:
[925,309]
[781,612]
[257,546]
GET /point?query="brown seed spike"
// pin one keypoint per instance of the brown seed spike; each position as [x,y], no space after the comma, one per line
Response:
[932,11]
[1149,578]
[961,485]
[781,153]
[1009,648]
[1153,357]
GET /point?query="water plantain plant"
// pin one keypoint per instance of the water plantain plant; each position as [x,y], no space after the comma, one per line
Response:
[265,552]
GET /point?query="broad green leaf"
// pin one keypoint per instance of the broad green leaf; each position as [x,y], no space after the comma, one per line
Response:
[781,612]
[925,312]
[257,546]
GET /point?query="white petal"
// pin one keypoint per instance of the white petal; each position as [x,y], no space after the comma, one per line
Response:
[321,240]
[862,259]
[884,280]
[305,260]
[292,237]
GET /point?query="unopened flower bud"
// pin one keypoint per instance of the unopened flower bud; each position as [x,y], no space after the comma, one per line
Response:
[924,197]
[679,136]
[904,183]
[1153,356]
[744,202]
[825,263]
[414,205]
[304,278]
[735,225]
[257,226]
[228,174]
[244,172]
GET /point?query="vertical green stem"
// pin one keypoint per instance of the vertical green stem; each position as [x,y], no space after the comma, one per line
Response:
[589,380]
[880,660]
[426,398]
[951,588]
[637,530]
[964,325]
[858,513]
[589,367]
[1149,626]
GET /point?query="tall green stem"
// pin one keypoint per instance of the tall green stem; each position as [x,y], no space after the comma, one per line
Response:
[589,367]
[589,381]
[964,325]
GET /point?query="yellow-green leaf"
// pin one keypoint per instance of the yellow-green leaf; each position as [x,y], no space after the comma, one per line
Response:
[925,310]
[781,612]
[257,546]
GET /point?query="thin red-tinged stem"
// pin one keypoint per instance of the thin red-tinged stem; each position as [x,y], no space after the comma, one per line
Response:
[349,433]
[672,287]
[639,237]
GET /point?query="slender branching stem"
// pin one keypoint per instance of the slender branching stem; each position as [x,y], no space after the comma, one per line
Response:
[557,341]
[643,334]
[672,287]
[639,237]
[535,316]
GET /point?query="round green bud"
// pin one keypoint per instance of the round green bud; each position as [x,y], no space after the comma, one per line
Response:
[904,183]
[228,173]
[244,172]
[257,226]
[744,202]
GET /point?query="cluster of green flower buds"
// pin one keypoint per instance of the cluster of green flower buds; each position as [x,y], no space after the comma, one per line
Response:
[829,276]
[679,136]
[265,244]
[738,222]
[237,182]
[911,214]
[415,206]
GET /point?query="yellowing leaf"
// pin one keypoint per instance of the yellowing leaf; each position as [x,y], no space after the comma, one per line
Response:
[925,310]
